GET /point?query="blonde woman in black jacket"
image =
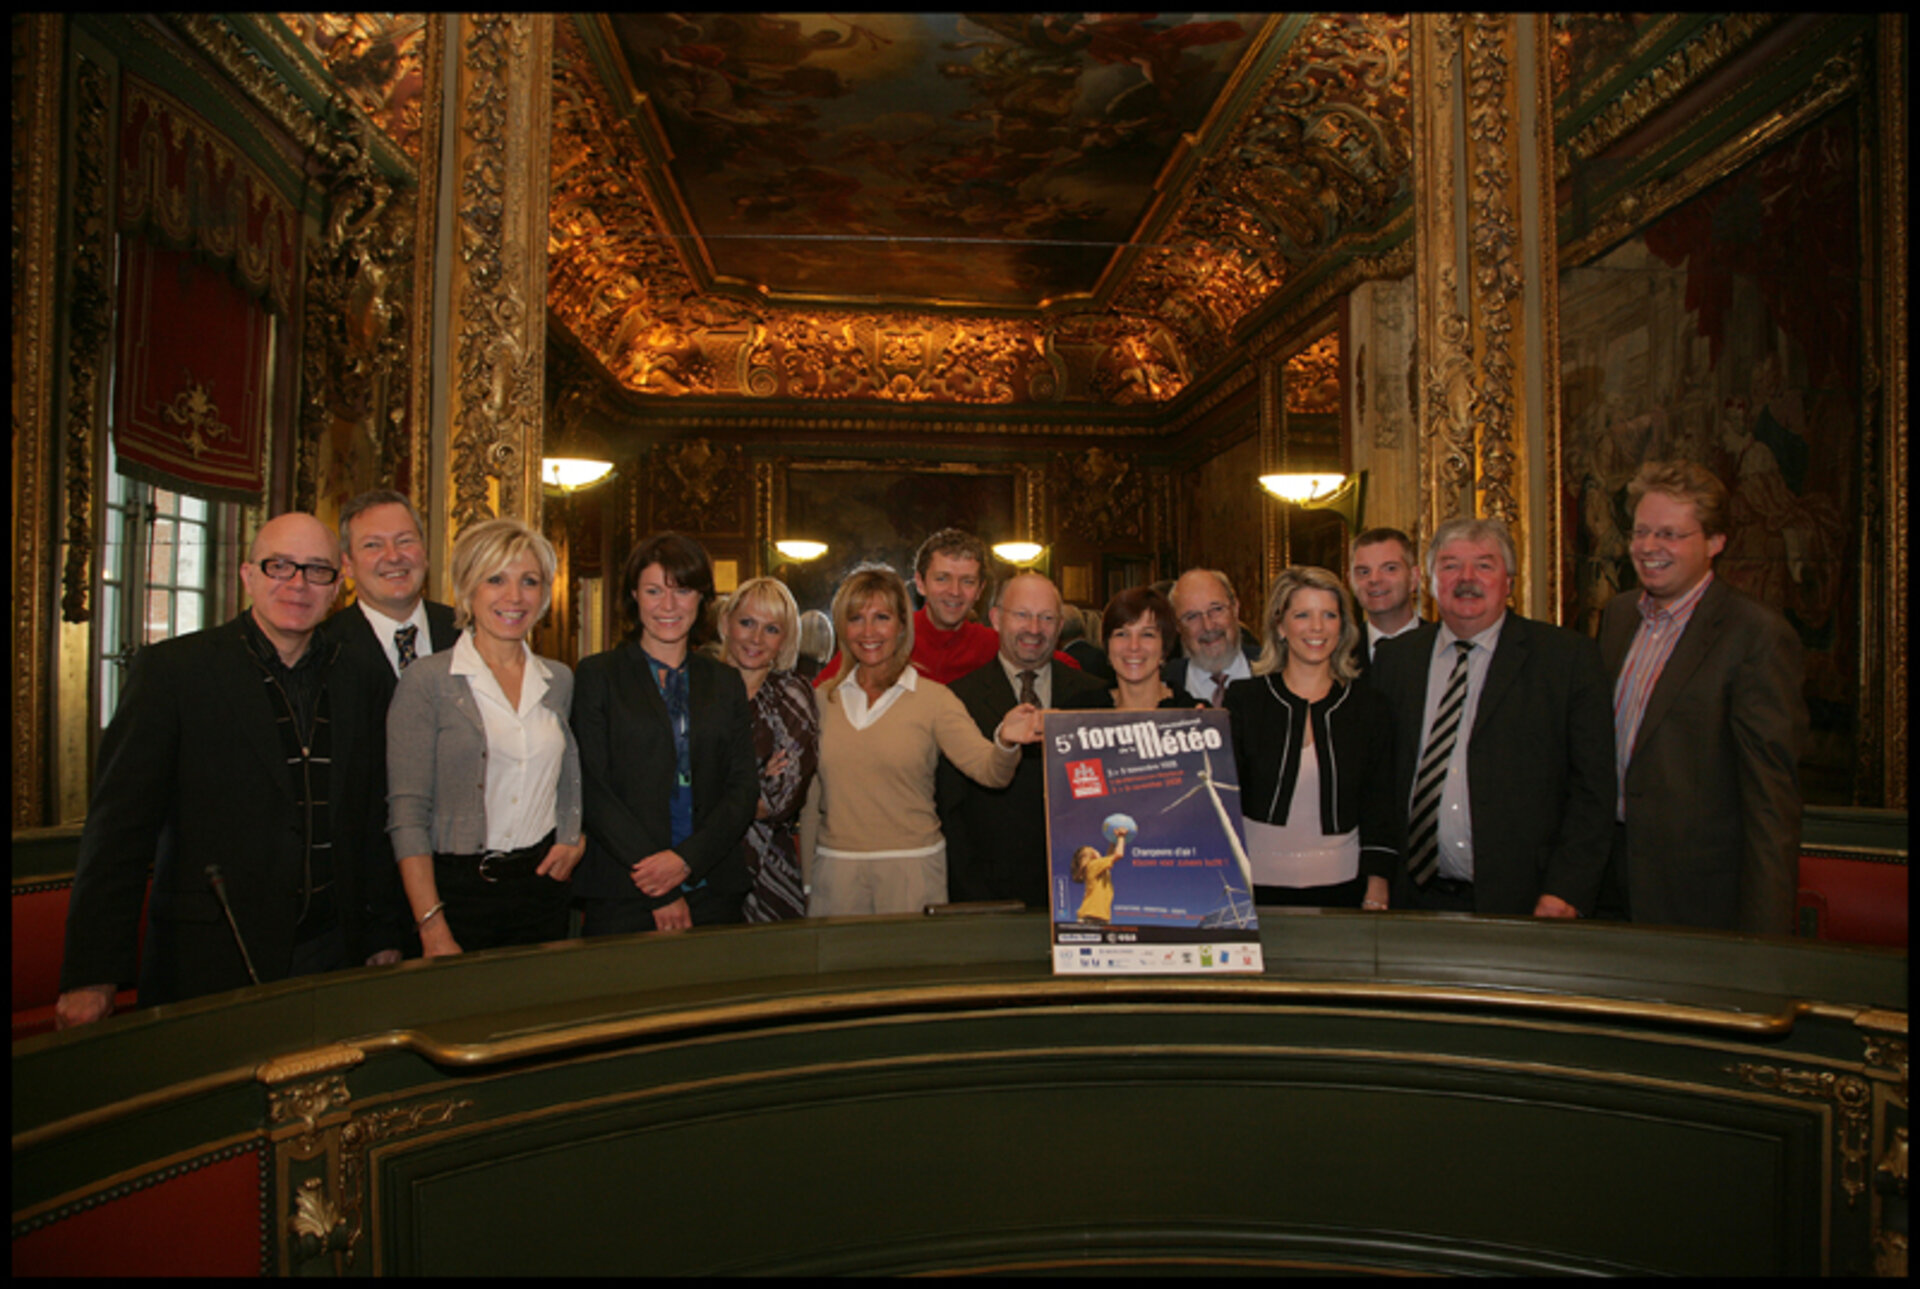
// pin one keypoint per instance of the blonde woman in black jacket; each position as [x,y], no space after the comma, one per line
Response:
[1315,754]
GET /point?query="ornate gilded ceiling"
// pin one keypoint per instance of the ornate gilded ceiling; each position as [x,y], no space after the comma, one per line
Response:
[976,209]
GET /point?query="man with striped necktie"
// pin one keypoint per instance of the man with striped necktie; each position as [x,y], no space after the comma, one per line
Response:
[1503,743]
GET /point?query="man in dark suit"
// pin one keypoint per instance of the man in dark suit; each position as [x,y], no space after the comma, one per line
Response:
[246,765]
[1503,743]
[1710,720]
[390,622]
[1215,649]
[997,837]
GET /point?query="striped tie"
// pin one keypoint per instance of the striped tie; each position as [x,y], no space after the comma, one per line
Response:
[406,640]
[1423,819]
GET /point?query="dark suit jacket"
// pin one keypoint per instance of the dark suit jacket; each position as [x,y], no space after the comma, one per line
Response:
[1539,761]
[1713,789]
[192,772]
[628,766]
[997,837]
[355,634]
[1174,671]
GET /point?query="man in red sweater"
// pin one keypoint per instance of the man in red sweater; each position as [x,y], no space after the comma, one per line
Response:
[949,572]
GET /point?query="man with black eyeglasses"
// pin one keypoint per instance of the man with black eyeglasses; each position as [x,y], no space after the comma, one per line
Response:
[246,765]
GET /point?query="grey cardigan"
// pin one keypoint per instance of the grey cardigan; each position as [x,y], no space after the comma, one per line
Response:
[437,760]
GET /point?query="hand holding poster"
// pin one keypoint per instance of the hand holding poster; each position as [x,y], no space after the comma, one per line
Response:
[1149,869]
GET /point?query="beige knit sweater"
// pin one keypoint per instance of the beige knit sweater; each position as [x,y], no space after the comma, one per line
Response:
[874,791]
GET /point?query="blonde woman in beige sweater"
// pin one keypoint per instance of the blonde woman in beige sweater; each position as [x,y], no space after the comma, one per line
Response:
[883,729]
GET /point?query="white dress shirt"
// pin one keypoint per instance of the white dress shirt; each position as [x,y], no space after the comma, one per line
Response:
[1455,822]
[384,627]
[1200,682]
[1042,680]
[525,747]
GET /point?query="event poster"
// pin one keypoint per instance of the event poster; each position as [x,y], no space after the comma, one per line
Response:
[1148,864]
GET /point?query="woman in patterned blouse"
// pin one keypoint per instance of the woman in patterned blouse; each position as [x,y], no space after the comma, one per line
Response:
[761,636]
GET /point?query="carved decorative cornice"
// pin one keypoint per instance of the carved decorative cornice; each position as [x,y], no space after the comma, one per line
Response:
[1634,209]
[378,60]
[241,64]
[1659,86]
[1324,155]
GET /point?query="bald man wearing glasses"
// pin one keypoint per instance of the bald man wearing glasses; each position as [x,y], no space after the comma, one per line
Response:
[246,765]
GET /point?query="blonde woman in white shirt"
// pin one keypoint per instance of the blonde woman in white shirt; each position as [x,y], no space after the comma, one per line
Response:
[483,774]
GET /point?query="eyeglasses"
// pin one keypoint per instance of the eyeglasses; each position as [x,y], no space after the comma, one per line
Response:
[1665,536]
[282,570]
[1210,613]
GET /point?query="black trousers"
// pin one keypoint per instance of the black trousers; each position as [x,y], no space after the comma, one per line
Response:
[517,907]
[601,916]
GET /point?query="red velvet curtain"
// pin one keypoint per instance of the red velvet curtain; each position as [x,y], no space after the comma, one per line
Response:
[209,253]
[191,398]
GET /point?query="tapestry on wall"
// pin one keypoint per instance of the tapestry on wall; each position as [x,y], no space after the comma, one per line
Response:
[1728,332]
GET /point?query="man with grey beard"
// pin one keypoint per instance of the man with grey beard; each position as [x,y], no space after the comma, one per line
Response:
[1208,615]
[1503,743]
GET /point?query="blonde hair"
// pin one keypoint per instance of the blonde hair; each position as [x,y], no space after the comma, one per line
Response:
[771,596]
[1684,481]
[484,549]
[1273,650]
[865,583]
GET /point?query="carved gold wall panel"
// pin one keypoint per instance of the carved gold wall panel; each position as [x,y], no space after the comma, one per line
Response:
[503,88]
[1482,159]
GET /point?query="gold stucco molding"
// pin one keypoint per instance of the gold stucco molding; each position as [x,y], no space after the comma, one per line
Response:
[39,52]
[500,265]
[1484,290]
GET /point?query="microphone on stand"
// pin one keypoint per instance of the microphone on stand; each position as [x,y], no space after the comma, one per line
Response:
[220,893]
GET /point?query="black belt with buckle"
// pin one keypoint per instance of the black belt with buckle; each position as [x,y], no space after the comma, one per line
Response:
[496,865]
[1449,885]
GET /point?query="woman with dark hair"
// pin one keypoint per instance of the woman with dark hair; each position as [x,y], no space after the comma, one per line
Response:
[1315,754]
[666,755]
[1137,628]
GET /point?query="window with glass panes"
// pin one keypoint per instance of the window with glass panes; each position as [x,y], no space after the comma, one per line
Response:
[156,568]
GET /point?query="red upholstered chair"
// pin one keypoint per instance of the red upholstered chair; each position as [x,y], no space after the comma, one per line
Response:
[39,940]
[1853,897]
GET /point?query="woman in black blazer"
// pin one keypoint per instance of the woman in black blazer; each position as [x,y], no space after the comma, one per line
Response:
[1315,754]
[666,756]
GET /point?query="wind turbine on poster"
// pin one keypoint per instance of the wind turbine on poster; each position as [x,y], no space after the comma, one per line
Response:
[1207,781]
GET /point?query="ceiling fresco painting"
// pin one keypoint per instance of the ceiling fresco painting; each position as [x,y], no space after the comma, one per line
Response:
[971,209]
[815,150]
[960,209]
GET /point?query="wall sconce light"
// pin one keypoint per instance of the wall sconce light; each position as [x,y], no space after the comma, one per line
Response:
[1340,493]
[1019,554]
[799,550]
[577,458]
